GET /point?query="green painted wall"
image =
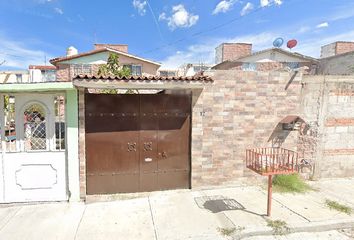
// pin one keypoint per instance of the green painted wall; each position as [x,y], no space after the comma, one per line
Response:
[72,141]
[35,87]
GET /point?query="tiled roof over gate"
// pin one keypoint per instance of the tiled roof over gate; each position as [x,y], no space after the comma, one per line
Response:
[96,78]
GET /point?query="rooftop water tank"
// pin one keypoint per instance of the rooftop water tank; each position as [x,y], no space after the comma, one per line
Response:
[70,51]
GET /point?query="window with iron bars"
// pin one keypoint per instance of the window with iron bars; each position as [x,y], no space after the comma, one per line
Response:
[78,69]
[34,128]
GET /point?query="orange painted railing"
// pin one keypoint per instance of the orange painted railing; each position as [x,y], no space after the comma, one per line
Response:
[272,161]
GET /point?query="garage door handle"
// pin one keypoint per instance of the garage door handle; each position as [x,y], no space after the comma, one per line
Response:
[163,154]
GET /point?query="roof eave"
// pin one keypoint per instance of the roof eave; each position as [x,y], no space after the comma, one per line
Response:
[54,61]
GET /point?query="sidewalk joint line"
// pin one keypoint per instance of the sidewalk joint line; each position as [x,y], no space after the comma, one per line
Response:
[278,201]
[78,225]
[300,215]
[13,215]
[152,218]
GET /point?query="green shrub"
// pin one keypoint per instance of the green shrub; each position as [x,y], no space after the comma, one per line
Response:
[279,227]
[290,183]
[339,207]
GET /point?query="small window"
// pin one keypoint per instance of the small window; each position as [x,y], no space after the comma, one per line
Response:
[35,136]
[249,66]
[164,73]
[48,75]
[293,65]
[135,70]
[201,68]
[167,73]
[19,78]
[82,69]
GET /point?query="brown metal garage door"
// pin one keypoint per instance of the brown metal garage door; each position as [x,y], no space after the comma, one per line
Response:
[137,142]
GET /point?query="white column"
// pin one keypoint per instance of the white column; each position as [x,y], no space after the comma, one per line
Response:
[72,144]
[3,148]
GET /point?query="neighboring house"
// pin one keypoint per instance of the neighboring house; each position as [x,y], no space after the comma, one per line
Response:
[232,51]
[271,59]
[40,73]
[75,63]
[34,74]
[168,72]
[185,70]
[15,76]
[337,58]
[192,69]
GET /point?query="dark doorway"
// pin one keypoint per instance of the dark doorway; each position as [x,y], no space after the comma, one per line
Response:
[137,142]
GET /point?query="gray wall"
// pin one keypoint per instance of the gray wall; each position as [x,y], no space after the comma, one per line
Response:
[327,104]
[338,65]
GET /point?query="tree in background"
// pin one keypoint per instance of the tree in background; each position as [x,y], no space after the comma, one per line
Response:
[113,68]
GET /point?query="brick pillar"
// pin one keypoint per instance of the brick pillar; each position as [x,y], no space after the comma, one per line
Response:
[82,156]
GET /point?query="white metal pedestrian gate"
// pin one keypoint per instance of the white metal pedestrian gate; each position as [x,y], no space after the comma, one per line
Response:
[33,166]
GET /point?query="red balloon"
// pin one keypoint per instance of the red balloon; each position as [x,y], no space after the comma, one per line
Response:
[291,44]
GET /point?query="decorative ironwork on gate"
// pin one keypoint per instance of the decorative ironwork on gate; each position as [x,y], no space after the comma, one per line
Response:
[35,127]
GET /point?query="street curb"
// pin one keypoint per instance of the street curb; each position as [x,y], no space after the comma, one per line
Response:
[310,227]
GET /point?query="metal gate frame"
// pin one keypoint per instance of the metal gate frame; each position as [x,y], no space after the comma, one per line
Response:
[189,94]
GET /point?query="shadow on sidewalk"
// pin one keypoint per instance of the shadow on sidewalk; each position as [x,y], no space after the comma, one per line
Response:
[219,203]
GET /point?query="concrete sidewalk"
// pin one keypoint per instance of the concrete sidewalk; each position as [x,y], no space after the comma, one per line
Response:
[181,214]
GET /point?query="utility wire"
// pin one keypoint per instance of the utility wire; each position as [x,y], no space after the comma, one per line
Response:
[16,56]
[216,27]
[156,21]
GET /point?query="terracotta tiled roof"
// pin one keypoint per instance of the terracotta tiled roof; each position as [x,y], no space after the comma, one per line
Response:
[54,61]
[65,58]
[198,78]
[41,67]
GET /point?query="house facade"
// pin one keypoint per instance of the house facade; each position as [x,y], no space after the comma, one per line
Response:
[34,74]
[71,138]
[239,56]
[14,76]
[75,63]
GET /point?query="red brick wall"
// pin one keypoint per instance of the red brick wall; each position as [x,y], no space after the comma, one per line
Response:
[344,47]
[63,73]
[119,47]
[233,51]
[336,48]
[240,110]
[82,150]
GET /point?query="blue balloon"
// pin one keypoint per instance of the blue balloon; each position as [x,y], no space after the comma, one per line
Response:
[278,42]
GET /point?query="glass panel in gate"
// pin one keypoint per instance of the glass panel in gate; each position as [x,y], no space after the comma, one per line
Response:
[35,128]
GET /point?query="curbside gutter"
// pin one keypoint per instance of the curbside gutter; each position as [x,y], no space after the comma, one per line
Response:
[321,226]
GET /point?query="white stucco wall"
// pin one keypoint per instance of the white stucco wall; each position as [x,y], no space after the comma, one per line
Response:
[10,76]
